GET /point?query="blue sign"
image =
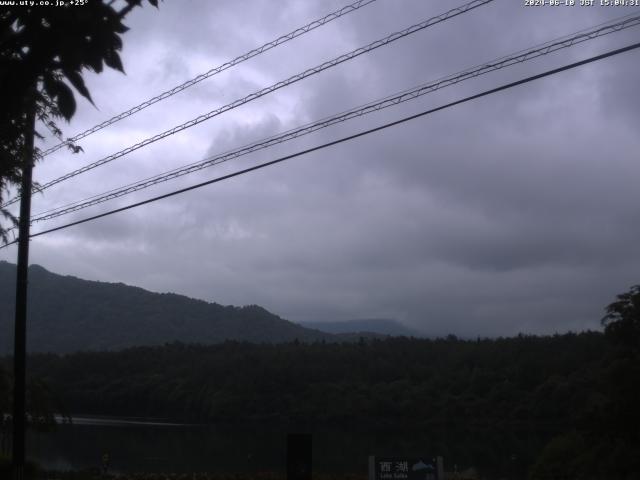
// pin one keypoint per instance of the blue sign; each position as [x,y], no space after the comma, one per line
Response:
[402,468]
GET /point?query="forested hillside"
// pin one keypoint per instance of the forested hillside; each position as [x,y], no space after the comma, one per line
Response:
[381,383]
[67,314]
[531,403]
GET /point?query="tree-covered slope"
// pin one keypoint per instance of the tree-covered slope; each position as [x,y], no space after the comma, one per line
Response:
[409,382]
[67,314]
[481,402]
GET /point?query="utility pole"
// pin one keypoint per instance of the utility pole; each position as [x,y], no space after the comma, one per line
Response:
[20,339]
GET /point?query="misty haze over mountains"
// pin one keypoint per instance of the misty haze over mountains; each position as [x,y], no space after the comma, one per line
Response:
[379,326]
[68,314]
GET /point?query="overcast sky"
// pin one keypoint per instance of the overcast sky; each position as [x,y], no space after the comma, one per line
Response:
[518,212]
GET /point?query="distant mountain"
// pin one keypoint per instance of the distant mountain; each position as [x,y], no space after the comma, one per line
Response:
[375,326]
[67,314]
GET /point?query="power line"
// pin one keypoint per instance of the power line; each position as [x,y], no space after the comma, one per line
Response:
[214,71]
[260,93]
[411,94]
[344,139]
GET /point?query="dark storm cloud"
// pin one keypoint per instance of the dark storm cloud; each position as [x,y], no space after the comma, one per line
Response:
[514,213]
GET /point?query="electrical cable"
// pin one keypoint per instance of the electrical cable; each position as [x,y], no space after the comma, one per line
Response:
[214,71]
[344,139]
[260,93]
[407,95]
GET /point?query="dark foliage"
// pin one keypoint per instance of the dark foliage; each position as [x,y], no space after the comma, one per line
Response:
[622,321]
[554,406]
[382,383]
[493,403]
[42,404]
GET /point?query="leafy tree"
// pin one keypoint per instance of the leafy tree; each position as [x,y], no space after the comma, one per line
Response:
[44,50]
[560,459]
[42,404]
[622,328]
[622,321]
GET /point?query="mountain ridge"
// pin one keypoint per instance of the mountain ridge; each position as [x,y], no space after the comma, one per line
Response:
[67,313]
[381,327]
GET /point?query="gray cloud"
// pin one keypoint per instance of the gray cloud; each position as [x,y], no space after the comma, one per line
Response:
[514,213]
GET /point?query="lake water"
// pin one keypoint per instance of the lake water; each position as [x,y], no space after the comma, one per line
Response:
[139,445]
[149,445]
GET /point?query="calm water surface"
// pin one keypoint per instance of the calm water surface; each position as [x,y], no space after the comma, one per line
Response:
[151,445]
[148,445]
[139,445]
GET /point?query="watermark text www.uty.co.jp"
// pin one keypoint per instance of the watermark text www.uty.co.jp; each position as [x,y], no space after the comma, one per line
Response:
[43,3]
